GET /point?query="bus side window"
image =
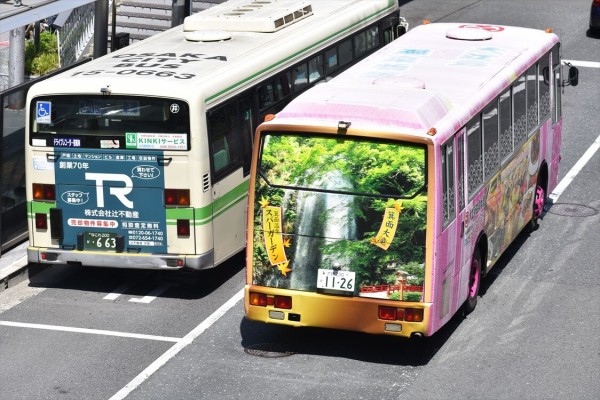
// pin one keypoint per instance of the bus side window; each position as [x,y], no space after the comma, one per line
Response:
[345,52]
[360,44]
[222,131]
[544,86]
[491,159]
[557,114]
[247,131]
[315,68]
[474,155]
[448,182]
[506,134]
[300,77]
[519,111]
[532,99]
[460,185]
[331,60]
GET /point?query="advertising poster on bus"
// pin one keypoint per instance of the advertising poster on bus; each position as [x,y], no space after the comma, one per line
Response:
[341,216]
[106,198]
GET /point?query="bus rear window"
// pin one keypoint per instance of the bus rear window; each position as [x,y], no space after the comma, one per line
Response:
[110,122]
[344,165]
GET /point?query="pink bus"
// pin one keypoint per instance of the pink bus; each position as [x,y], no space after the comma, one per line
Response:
[379,200]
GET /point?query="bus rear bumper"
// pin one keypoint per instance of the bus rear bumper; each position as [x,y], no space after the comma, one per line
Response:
[334,312]
[53,256]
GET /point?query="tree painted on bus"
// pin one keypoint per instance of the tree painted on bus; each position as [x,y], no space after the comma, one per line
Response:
[326,202]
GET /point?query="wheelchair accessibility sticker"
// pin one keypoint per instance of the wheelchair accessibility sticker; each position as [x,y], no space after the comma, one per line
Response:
[43,112]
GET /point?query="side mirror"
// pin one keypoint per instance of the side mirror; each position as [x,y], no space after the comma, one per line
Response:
[573,76]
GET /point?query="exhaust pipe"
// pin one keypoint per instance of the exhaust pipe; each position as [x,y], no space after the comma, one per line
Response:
[416,336]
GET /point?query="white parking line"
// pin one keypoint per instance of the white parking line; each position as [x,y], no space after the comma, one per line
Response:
[566,181]
[152,295]
[118,291]
[589,64]
[90,331]
[172,352]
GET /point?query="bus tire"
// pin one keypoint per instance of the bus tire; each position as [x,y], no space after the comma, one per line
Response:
[474,282]
[538,206]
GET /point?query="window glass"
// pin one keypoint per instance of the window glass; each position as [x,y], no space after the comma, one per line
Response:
[223,132]
[360,44]
[246,131]
[532,99]
[300,76]
[519,111]
[490,139]
[544,77]
[315,69]
[557,96]
[506,136]
[460,167]
[448,182]
[110,122]
[345,52]
[557,83]
[372,36]
[474,156]
[266,96]
[388,35]
[331,60]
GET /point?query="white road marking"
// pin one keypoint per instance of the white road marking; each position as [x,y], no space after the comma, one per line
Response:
[152,295]
[172,352]
[90,331]
[118,291]
[589,64]
[566,181]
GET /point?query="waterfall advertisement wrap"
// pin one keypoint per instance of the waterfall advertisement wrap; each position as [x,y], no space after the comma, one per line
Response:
[355,208]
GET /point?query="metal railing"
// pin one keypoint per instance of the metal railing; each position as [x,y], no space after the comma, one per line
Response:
[75,29]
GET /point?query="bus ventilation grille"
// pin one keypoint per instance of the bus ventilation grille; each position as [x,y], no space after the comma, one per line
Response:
[205,182]
[249,16]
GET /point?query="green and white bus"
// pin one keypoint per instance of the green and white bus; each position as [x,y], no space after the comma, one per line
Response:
[141,158]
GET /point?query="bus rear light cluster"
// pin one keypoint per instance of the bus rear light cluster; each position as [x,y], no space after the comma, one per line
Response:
[262,300]
[43,191]
[41,221]
[400,314]
[177,197]
[183,227]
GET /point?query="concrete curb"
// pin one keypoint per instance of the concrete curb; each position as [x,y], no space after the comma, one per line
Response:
[14,273]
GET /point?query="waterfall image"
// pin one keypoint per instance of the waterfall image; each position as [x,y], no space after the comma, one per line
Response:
[323,218]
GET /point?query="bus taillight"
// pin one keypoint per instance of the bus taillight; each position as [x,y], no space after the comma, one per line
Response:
[42,191]
[413,315]
[177,197]
[183,227]
[400,314]
[388,313]
[283,302]
[41,221]
[277,301]
[258,299]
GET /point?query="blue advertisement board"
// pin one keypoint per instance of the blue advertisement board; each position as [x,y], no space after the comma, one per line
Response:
[111,196]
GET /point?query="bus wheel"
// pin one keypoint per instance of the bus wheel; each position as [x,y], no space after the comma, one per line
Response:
[474,281]
[538,207]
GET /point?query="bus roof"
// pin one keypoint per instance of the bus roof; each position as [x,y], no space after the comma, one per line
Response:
[226,47]
[435,76]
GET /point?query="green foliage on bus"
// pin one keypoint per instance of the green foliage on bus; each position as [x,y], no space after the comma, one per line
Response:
[365,178]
